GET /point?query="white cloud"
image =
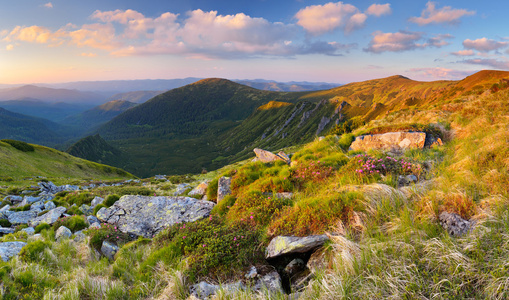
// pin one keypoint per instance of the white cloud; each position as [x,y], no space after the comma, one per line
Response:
[403,41]
[483,44]
[379,9]
[492,63]
[48,5]
[320,19]
[445,14]
[439,73]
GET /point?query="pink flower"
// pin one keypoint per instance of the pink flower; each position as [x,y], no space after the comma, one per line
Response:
[235,238]
[251,217]
[184,237]
[203,245]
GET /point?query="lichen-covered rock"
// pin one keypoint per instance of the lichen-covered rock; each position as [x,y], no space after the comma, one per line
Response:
[13,198]
[10,249]
[201,189]
[79,236]
[63,233]
[181,189]
[391,141]
[454,224]
[145,216]
[96,201]
[270,281]
[22,217]
[4,230]
[109,250]
[205,290]
[49,205]
[92,219]
[223,188]
[267,156]
[50,217]
[87,210]
[282,245]
[29,230]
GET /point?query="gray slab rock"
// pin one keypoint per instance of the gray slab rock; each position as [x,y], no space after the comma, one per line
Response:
[270,281]
[391,141]
[92,219]
[87,210]
[205,290]
[50,217]
[63,233]
[146,216]
[109,250]
[22,217]
[4,230]
[29,200]
[29,230]
[181,189]
[223,188]
[39,205]
[454,224]
[14,198]
[79,236]
[10,249]
[282,245]
[267,156]
[96,201]
[49,205]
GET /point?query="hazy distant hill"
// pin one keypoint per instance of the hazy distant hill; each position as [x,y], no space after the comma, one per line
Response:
[287,86]
[51,111]
[49,95]
[98,115]
[29,129]
[135,97]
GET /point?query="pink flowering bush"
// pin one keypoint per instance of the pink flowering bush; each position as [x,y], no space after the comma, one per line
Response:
[368,165]
[107,232]
[311,171]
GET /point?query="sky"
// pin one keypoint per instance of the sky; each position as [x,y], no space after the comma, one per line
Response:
[53,41]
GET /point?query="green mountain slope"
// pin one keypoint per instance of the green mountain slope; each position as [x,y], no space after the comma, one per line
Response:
[95,148]
[47,162]
[52,111]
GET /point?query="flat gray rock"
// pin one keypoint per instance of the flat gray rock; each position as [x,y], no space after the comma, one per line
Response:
[10,249]
[22,217]
[63,233]
[281,245]
[146,216]
[50,217]
[4,230]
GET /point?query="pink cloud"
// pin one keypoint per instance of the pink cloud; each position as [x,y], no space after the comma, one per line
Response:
[463,53]
[320,19]
[445,14]
[492,63]
[34,34]
[48,5]
[439,73]
[483,44]
[379,9]
[403,41]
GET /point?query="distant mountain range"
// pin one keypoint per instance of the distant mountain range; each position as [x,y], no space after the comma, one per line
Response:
[55,111]
[52,95]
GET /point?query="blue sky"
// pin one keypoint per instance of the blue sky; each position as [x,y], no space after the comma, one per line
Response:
[341,42]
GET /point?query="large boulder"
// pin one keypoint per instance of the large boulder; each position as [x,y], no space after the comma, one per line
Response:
[63,233]
[283,245]
[109,250]
[146,216]
[391,141]
[10,249]
[223,188]
[267,156]
[50,217]
[22,217]
[200,190]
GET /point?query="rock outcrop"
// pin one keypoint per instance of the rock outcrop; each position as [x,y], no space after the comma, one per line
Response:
[146,216]
[391,141]
[454,224]
[10,249]
[223,188]
[50,217]
[283,245]
[266,156]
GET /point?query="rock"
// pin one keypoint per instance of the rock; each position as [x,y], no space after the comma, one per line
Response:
[266,156]
[284,195]
[39,205]
[252,273]
[5,208]
[181,189]
[146,216]
[49,205]
[48,187]
[29,200]
[201,189]
[391,141]
[454,224]
[406,180]
[79,236]
[22,217]
[29,230]
[205,290]
[282,245]
[271,281]
[92,219]
[10,249]
[4,230]
[316,261]
[63,233]
[294,267]
[96,201]
[94,225]
[160,177]
[87,210]
[223,188]
[109,250]
[50,217]
[14,198]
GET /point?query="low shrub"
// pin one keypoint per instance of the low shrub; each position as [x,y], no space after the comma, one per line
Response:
[212,189]
[368,165]
[5,223]
[111,199]
[25,207]
[256,208]
[223,206]
[41,227]
[108,233]
[74,223]
[32,251]
[21,146]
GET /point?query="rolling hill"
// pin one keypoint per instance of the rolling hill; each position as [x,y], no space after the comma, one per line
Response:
[215,121]
[49,95]
[47,162]
[135,97]
[52,111]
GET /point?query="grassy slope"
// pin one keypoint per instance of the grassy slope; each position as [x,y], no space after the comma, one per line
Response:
[390,246]
[49,162]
